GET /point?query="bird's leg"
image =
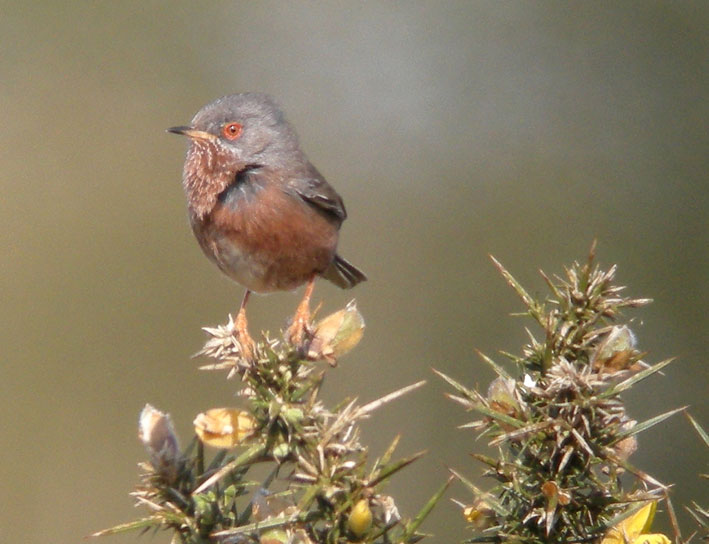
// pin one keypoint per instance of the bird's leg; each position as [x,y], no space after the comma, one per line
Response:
[301,320]
[242,333]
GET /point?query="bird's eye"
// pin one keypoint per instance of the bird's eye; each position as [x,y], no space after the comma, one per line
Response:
[232,131]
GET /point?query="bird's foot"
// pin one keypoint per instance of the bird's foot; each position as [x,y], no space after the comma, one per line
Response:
[301,329]
[248,346]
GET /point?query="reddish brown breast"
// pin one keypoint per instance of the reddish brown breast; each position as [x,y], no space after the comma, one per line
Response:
[270,241]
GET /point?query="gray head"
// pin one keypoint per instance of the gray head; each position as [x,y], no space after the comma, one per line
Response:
[229,135]
[241,130]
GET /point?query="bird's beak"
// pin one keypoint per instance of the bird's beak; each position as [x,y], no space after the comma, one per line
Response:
[192,133]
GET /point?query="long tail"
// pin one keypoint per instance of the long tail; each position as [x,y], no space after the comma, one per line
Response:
[343,274]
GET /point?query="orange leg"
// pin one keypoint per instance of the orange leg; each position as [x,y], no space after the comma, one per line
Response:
[242,333]
[301,320]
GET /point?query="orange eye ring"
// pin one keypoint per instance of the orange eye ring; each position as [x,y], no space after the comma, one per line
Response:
[232,131]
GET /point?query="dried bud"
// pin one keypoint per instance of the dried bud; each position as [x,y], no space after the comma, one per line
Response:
[501,394]
[626,447]
[156,431]
[554,494]
[337,334]
[389,511]
[224,427]
[616,350]
[360,519]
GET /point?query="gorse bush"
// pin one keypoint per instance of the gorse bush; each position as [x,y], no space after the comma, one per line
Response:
[320,487]
[560,426]
[554,414]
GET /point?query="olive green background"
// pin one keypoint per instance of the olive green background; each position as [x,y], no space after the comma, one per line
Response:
[451,129]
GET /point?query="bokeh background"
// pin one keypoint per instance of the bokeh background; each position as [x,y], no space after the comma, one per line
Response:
[452,130]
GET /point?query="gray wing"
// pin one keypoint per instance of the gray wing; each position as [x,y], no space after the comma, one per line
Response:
[317,192]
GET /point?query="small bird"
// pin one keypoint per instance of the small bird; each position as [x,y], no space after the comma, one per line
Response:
[257,206]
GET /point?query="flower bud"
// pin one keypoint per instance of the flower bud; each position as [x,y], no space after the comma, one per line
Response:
[337,334]
[156,431]
[360,519]
[274,536]
[224,427]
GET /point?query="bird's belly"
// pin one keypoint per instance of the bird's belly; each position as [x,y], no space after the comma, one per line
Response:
[262,271]
[276,245]
[241,266]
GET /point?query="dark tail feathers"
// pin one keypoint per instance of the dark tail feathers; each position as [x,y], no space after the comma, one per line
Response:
[343,274]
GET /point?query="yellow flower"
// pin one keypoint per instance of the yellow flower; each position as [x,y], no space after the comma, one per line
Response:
[479,514]
[224,427]
[633,529]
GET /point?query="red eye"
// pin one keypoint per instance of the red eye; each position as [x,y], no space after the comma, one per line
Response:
[232,131]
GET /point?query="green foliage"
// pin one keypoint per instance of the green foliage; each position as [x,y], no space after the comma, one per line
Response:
[319,488]
[559,424]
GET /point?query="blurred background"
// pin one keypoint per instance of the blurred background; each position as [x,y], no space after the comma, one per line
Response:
[452,130]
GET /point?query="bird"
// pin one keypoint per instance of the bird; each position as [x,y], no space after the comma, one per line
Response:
[258,207]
